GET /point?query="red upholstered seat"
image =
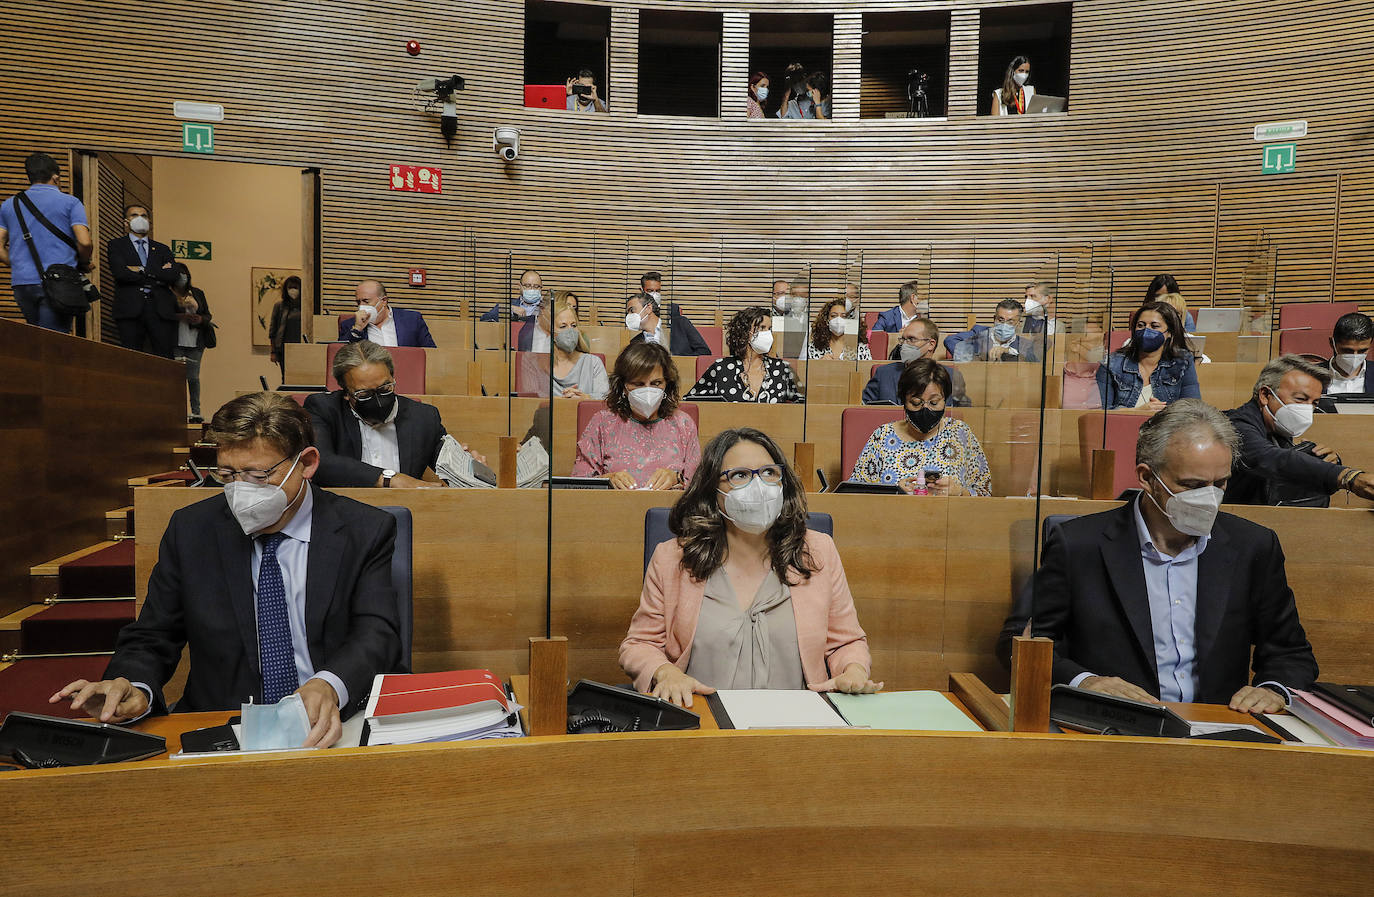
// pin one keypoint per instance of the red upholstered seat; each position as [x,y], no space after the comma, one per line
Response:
[410,368]
[870,318]
[1319,316]
[704,362]
[1115,430]
[1117,339]
[856,425]
[714,336]
[588,408]
[879,344]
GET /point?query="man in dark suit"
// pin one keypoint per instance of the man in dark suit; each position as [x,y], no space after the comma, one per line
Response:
[1164,598]
[366,434]
[678,335]
[1274,471]
[145,311]
[1351,339]
[276,586]
[378,321]
[908,306]
[917,340]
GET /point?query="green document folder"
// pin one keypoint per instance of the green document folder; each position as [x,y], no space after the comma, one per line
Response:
[920,710]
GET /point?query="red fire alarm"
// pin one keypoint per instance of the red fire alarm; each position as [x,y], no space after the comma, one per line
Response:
[413,47]
[417,277]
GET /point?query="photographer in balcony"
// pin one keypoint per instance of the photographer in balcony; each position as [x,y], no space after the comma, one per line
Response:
[582,95]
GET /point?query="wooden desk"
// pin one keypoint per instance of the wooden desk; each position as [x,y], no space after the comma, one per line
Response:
[759,813]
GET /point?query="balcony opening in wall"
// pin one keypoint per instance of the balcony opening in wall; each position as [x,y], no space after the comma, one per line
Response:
[1042,34]
[905,67]
[679,62]
[561,40]
[778,41]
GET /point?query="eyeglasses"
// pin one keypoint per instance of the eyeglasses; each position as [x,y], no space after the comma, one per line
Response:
[914,340]
[739,477]
[932,404]
[385,389]
[224,475]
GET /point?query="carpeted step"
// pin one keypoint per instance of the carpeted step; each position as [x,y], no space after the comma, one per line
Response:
[107,573]
[79,626]
[28,684]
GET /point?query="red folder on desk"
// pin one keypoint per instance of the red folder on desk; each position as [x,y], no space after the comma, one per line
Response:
[406,708]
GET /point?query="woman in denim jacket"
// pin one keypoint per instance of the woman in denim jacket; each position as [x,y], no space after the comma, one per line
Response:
[1154,368]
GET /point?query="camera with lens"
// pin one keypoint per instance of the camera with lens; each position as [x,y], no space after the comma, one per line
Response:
[445,86]
[917,100]
[583,90]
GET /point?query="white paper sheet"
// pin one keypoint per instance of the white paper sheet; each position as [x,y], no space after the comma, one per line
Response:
[764,708]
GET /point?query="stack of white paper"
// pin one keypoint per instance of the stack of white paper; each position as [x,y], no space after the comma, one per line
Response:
[763,708]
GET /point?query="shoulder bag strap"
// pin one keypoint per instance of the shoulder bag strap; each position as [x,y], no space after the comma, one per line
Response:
[43,220]
[28,237]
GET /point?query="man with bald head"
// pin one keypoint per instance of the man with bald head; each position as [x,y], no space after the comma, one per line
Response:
[1163,598]
[378,321]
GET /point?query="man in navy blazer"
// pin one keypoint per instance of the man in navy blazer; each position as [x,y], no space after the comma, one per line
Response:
[378,321]
[918,340]
[677,334]
[330,625]
[895,319]
[1350,341]
[145,311]
[1166,599]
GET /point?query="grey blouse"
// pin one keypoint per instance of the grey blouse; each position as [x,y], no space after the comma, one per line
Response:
[755,647]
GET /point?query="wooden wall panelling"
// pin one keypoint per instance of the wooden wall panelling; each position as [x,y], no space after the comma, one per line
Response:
[1353,267]
[65,461]
[624,60]
[844,77]
[734,69]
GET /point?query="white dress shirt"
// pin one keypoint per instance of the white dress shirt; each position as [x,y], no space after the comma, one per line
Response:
[1341,384]
[383,334]
[540,341]
[381,446]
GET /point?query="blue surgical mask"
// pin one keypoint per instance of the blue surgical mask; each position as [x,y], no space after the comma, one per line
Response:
[1003,332]
[762,93]
[531,297]
[1151,340]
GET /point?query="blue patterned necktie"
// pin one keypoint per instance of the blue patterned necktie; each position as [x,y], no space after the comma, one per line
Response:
[275,653]
[143,251]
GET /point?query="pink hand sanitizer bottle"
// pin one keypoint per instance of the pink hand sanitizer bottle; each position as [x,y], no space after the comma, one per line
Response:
[920,483]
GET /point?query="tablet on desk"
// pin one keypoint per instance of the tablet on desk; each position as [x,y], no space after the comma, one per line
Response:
[868,488]
[579,483]
[1218,320]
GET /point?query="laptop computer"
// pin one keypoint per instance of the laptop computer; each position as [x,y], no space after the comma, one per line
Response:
[1350,403]
[1044,102]
[546,96]
[1219,320]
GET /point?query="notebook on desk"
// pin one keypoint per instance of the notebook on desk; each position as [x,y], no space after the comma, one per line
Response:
[917,711]
[771,708]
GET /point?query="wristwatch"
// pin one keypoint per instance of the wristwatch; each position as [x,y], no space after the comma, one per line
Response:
[386,477]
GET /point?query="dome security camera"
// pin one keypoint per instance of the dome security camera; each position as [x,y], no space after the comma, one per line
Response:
[505,142]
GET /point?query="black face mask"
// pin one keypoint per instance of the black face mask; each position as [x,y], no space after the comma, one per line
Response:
[924,420]
[376,409]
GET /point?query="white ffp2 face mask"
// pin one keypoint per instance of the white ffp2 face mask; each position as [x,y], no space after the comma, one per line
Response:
[1021,78]
[1193,511]
[139,225]
[782,302]
[836,326]
[258,506]
[633,321]
[1292,419]
[755,507]
[1351,363]
[762,342]
[645,400]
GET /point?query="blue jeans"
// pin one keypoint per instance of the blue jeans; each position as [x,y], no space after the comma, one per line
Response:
[34,304]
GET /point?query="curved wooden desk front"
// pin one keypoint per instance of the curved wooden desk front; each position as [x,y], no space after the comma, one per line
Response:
[792,813]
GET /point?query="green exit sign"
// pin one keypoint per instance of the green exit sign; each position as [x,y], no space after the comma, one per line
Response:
[1280,158]
[196,250]
[197,138]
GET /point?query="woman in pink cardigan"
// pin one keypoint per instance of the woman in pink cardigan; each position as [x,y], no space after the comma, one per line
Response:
[746,596]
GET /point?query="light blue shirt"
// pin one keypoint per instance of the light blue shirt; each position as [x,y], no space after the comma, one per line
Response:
[1171,584]
[293,554]
[62,209]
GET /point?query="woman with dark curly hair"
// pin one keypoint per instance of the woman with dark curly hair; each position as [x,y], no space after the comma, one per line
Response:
[827,330]
[642,440]
[745,596]
[749,374]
